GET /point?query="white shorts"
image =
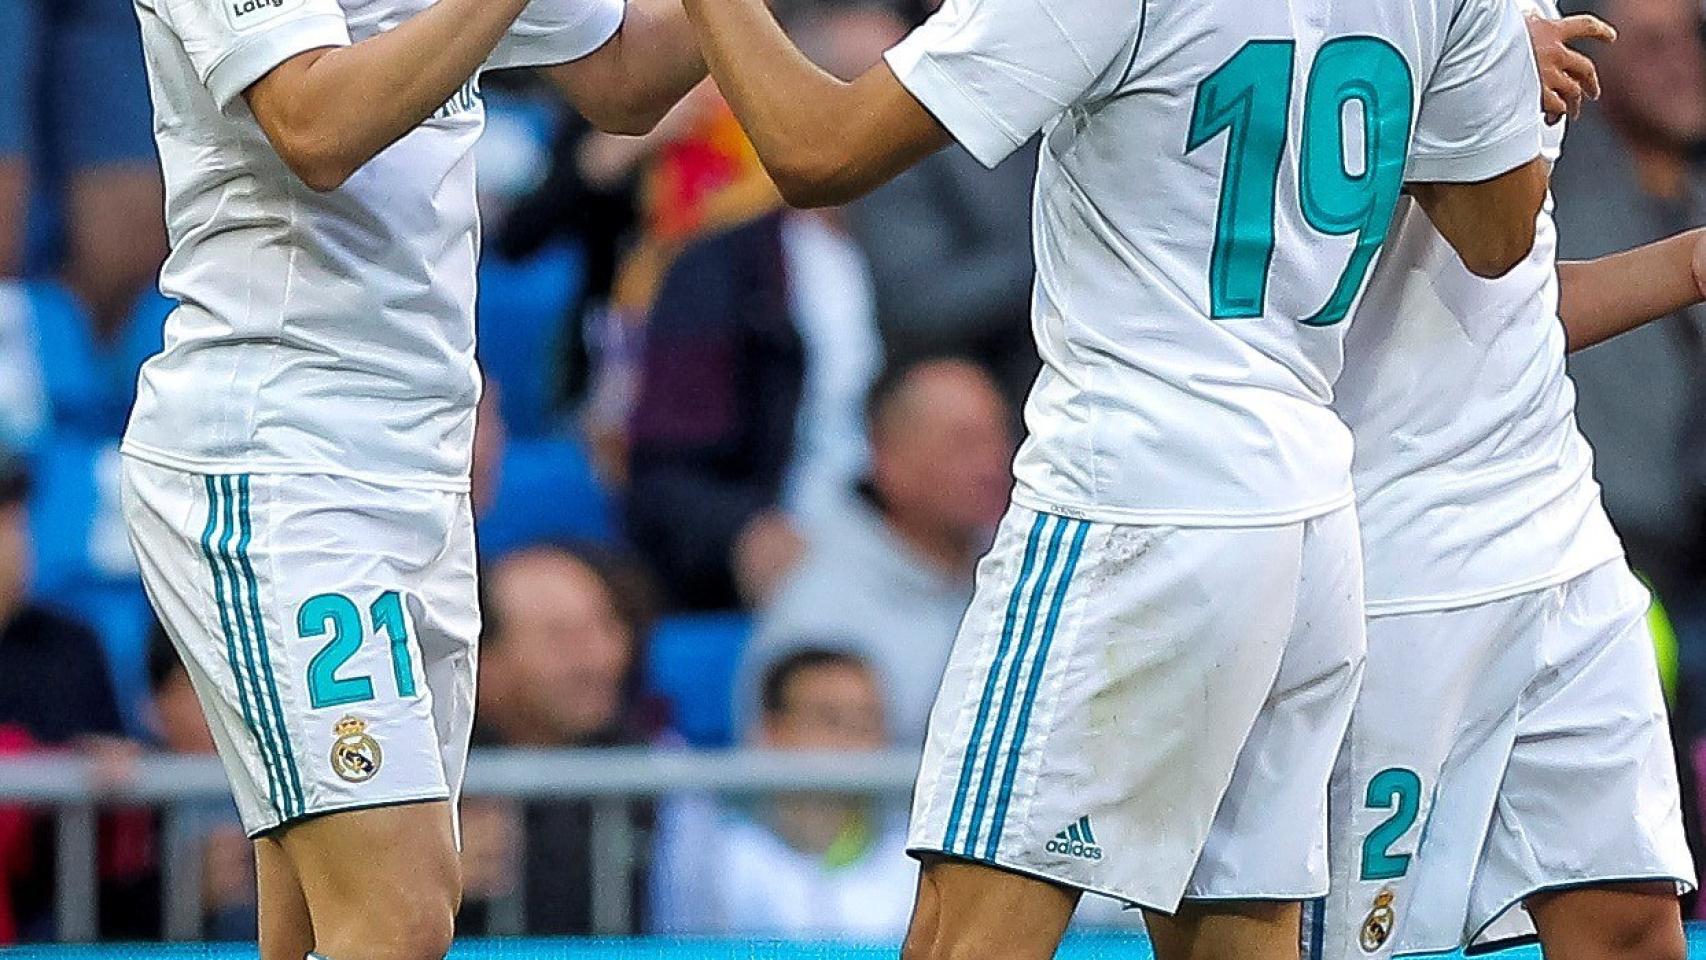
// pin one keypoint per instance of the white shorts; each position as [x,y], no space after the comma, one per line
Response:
[1148,713]
[1499,751]
[329,627]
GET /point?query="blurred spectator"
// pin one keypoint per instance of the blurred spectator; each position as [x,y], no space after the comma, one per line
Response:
[794,866]
[491,439]
[949,242]
[224,856]
[55,691]
[75,118]
[54,682]
[892,576]
[950,250]
[1630,174]
[560,666]
[1625,179]
[759,351]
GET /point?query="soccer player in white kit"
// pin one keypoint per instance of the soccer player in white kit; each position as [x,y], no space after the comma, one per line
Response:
[296,466]
[1153,680]
[1510,748]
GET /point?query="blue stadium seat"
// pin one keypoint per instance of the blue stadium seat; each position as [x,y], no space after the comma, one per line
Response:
[692,661]
[548,491]
[70,372]
[523,311]
[143,336]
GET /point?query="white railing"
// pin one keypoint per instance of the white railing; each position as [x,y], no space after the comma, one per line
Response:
[76,789]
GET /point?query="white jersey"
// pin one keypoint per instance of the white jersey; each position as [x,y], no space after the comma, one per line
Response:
[1473,481]
[1207,210]
[317,333]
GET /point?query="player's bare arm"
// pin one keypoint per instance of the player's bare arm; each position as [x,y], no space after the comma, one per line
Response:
[329,111]
[1604,298]
[822,140]
[1490,224]
[627,85]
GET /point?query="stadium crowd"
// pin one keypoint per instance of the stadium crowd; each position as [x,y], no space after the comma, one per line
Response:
[735,463]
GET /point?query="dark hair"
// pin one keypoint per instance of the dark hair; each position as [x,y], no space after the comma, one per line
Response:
[893,379]
[773,689]
[14,479]
[630,586]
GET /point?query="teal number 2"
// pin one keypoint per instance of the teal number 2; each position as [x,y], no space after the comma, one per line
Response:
[1400,791]
[1249,98]
[338,615]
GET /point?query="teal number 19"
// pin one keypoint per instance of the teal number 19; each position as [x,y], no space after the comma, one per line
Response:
[1249,98]
[338,615]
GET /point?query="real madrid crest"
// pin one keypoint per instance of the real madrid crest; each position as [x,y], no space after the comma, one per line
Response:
[1377,927]
[355,754]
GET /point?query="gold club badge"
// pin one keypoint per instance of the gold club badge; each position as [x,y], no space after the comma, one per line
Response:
[1377,927]
[355,755]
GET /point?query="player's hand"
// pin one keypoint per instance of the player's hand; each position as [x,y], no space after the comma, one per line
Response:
[1567,77]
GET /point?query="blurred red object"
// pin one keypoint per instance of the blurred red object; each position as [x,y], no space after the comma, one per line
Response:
[14,836]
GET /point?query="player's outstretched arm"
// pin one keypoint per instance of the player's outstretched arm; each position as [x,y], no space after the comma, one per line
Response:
[823,141]
[627,85]
[329,111]
[1490,224]
[1603,298]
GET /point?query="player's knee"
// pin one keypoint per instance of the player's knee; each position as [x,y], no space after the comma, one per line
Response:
[415,922]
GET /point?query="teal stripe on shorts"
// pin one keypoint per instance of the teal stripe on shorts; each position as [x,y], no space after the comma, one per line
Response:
[288,761]
[238,675]
[973,743]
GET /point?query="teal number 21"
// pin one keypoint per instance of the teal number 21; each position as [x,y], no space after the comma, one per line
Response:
[1249,99]
[338,615]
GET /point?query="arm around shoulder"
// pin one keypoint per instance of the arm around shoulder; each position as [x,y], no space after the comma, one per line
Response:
[1491,224]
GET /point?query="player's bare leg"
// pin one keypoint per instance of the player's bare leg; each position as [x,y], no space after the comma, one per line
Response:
[117,238]
[380,884]
[1226,930]
[1631,921]
[968,911]
[286,932]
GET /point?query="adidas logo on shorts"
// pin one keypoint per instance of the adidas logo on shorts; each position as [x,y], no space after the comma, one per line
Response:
[1076,841]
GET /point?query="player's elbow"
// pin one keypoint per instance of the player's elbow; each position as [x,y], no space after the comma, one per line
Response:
[315,154]
[321,173]
[808,178]
[629,116]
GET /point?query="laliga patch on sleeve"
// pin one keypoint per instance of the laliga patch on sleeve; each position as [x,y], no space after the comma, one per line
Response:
[245,15]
